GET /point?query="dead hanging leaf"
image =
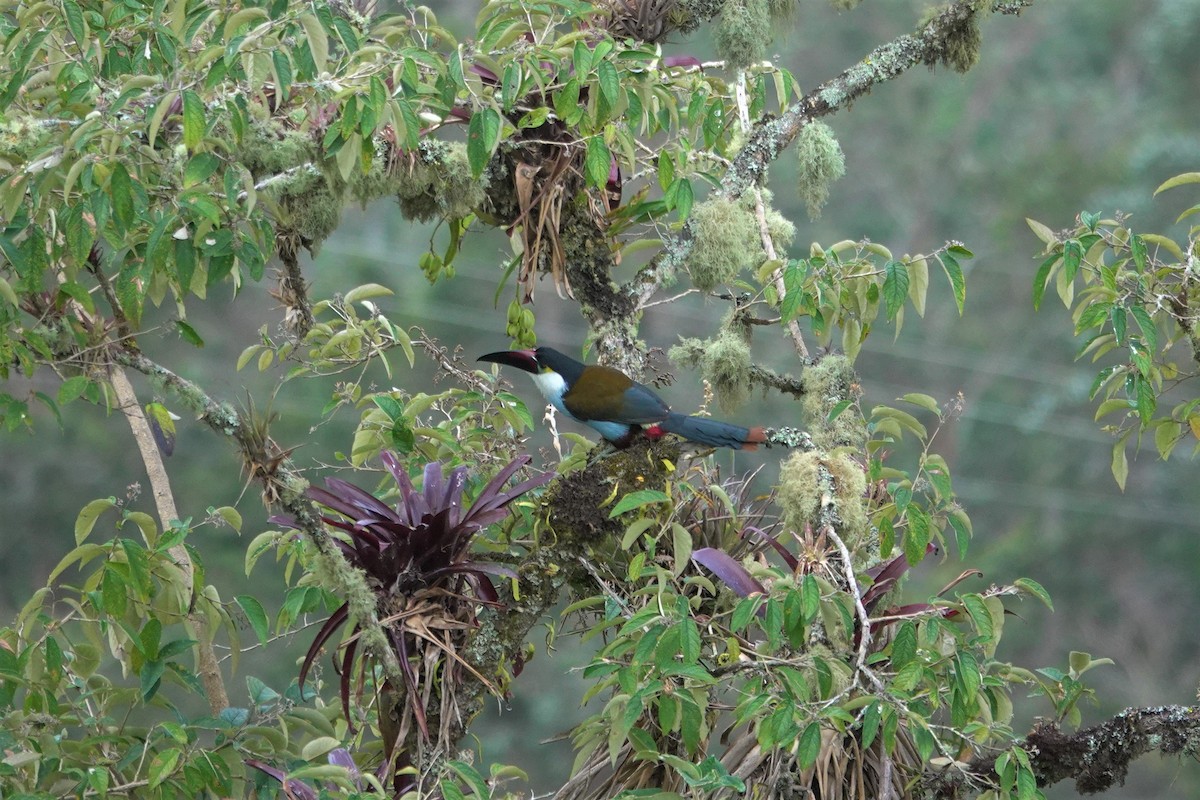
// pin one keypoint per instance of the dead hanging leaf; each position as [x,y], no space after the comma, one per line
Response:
[540,194]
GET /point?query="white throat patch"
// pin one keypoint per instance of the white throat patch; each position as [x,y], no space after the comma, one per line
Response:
[553,387]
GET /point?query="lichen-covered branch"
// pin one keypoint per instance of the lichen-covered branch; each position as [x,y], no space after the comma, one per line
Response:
[1096,758]
[285,484]
[950,38]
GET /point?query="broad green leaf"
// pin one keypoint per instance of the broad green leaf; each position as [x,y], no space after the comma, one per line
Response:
[918,284]
[193,119]
[904,645]
[895,286]
[88,516]
[366,292]
[1178,180]
[483,134]
[72,388]
[1137,248]
[957,282]
[809,746]
[681,541]
[231,516]
[1147,326]
[318,747]
[635,500]
[1120,463]
[1042,278]
[318,41]
[978,611]
[120,187]
[923,401]
[256,615]
[1166,436]
[917,536]
[597,162]
[162,765]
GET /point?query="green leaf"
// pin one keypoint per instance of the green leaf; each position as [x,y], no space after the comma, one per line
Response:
[635,500]
[810,598]
[162,765]
[318,41]
[1147,326]
[1178,180]
[1137,248]
[256,615]
[918,284]
[895,286]
[809,746]
[1119,323]
[922,401]
[870,725]
[1120,463]
[189,333]
[120,187]
[483,134]
[319,746]
[193,119]
[88,516]
[610,84]
[139,571]
[681,541]
[1146,400]
[597,162]
[917,536]
[200,168]
[978,611]
[1072,257]
[366,292]
[904,645]
[72,388]
[1042,278]
[957,282]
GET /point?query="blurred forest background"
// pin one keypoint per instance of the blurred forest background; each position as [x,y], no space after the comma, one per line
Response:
[1076,105]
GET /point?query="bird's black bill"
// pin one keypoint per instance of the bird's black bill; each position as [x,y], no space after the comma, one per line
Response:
[522,359]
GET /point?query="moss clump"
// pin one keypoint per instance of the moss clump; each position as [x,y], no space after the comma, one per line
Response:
[962,45]
[725,241]
[781,229]
[799,494]
[438,184]
[960,40]
[827,383]
[818,488]
[284,160]
[821,163]
[743,32]
[781,9]
[687,15]
[726,366]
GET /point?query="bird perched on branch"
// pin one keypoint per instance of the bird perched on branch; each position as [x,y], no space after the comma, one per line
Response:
[615,405]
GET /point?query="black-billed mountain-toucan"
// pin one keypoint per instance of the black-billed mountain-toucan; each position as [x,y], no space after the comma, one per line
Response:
[615,405]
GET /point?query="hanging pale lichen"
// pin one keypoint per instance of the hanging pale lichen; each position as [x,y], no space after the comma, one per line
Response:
[821,163]
[743,32]
[725,241]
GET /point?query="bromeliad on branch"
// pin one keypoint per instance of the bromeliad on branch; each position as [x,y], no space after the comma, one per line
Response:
[418,560]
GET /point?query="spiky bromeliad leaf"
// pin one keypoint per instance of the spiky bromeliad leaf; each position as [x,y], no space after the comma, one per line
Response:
[419,547]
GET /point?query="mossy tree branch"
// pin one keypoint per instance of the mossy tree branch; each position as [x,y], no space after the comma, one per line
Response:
[944,39]
[283,482]
[1096,758]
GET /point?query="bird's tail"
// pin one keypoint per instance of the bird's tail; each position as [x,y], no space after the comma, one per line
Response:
[712,432]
